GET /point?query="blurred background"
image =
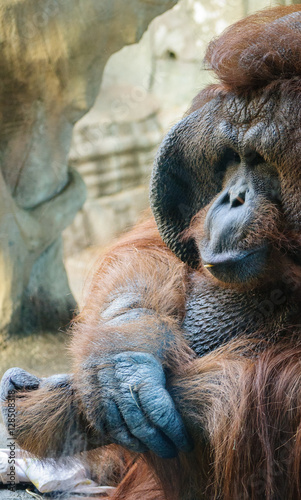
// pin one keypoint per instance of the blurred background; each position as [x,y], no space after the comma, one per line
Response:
[145,89]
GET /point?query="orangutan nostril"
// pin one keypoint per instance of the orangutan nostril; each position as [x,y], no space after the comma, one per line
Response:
[238,201]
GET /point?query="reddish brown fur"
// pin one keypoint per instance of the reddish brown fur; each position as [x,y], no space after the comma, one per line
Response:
[256,407]
[248,54]
[162,279]
[250,409]
[43,412]
[242,402]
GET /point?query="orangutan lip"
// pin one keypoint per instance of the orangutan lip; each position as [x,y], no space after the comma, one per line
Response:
[225,258]
[236,267]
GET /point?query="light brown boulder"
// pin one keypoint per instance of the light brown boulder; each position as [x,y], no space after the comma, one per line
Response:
[52,57]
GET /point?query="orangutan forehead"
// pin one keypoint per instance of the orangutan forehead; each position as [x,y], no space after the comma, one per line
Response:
[280,101]
[268,121]
[269,105]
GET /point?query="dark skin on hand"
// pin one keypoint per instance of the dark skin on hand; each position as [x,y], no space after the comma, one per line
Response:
[187,353]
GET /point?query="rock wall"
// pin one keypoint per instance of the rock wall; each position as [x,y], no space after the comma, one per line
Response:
[53,54]
[113,152]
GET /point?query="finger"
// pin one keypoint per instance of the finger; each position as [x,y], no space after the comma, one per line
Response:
[61,381]
[142,429]
[118,430]
[16,379]
[160,409]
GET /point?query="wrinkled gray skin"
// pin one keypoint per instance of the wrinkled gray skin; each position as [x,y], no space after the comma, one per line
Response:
[136,410]
[134,407]
[191,164]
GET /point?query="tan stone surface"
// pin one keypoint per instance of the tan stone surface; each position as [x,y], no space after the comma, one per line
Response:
[52,58]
